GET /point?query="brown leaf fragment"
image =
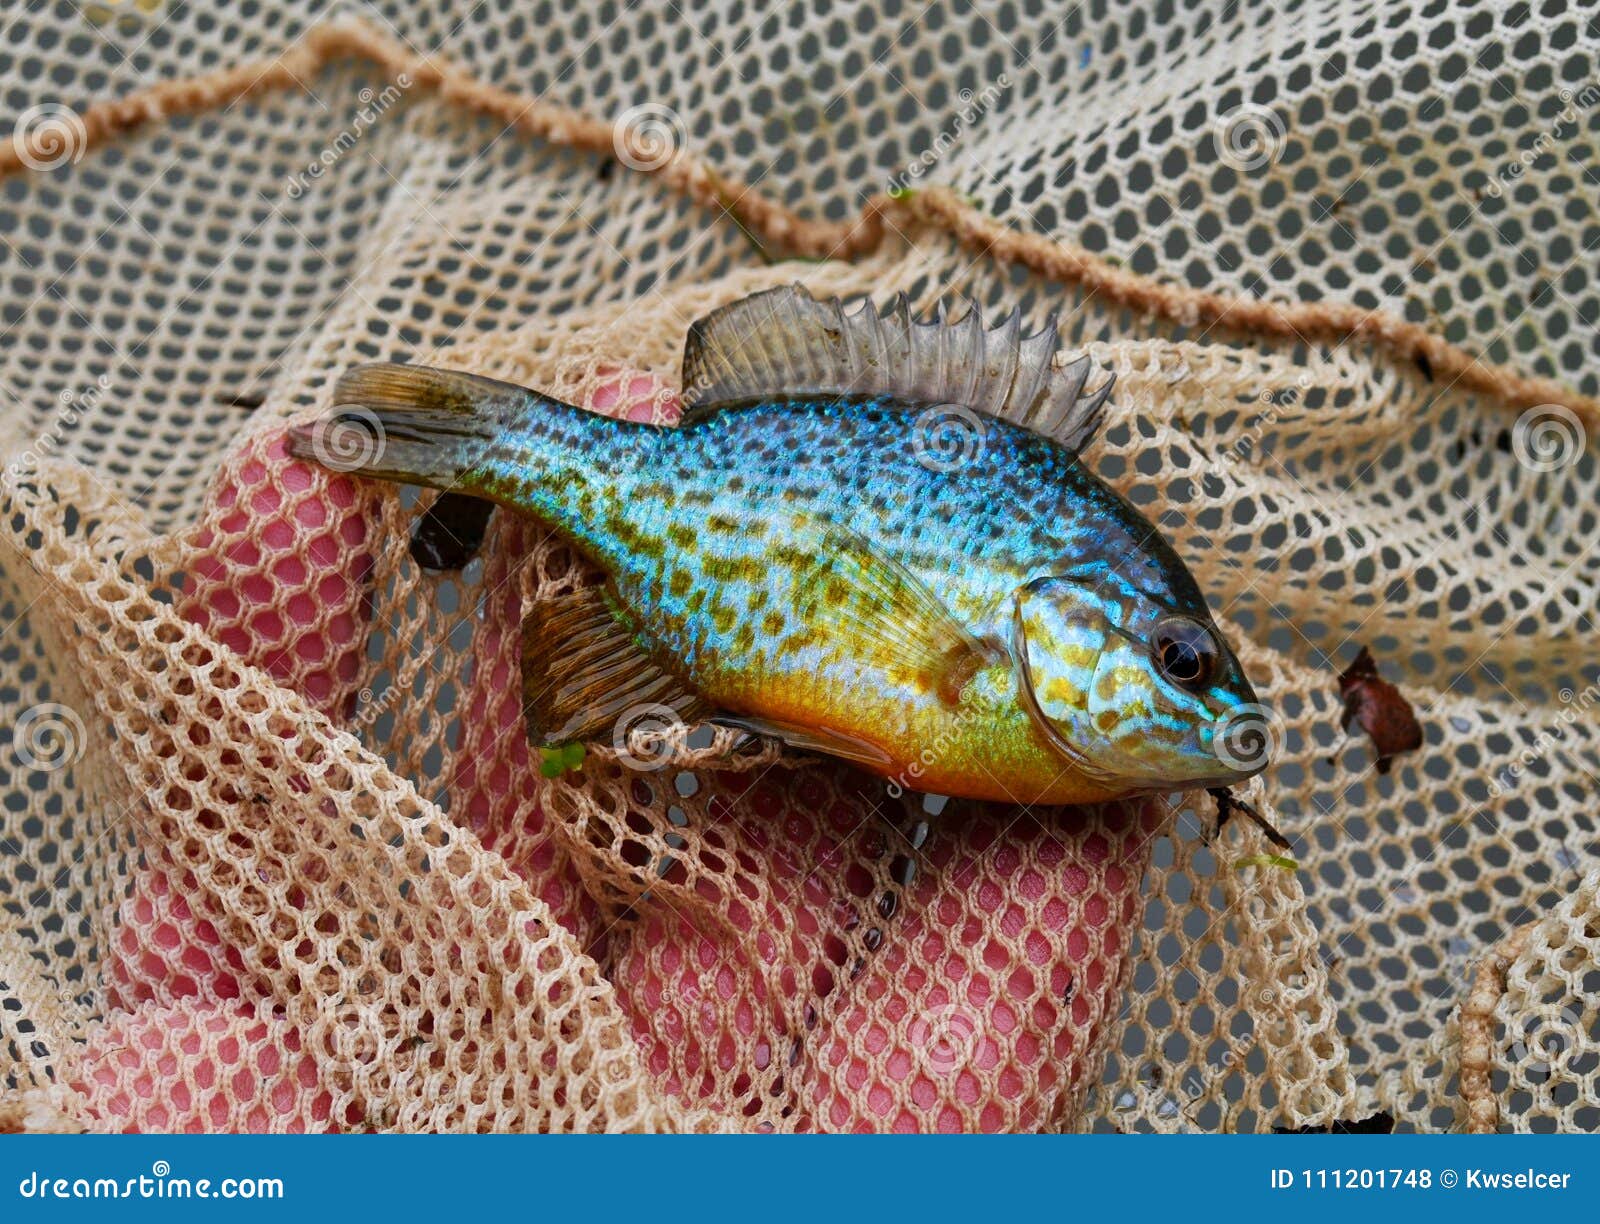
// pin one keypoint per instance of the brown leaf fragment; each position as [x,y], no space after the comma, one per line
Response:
[1374,703]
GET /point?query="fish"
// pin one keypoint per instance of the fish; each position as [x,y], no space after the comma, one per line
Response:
[869,536]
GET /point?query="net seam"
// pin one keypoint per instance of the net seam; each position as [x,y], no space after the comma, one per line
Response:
[1478,1025]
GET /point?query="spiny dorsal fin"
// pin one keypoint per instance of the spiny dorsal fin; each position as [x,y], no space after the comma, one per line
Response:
[582,670]
[783,342]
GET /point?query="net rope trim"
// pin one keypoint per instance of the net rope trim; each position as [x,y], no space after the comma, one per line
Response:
[785,231]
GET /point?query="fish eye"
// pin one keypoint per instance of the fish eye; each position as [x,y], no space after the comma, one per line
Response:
[1185,652]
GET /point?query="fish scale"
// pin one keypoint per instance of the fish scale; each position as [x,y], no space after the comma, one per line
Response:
[995,623]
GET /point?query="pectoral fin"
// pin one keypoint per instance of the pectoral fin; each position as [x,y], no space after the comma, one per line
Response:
[869,606]
[582,670]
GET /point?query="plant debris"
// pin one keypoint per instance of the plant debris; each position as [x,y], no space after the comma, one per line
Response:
[1281,861]
[1228,804]
[553,762]
[1377,705]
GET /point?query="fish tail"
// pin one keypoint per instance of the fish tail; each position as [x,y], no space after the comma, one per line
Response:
[415,424]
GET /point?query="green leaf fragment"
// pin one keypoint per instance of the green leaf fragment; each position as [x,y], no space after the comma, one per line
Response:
[553,762]
[1281,861]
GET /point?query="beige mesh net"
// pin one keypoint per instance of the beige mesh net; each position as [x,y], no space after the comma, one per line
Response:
[275,854]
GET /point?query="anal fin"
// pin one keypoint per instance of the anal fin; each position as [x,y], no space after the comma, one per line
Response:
[582,670]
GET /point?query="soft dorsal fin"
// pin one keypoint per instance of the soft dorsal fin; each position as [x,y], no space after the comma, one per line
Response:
[581,669]
[783,342]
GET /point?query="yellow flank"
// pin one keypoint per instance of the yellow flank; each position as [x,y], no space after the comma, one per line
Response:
[986,747]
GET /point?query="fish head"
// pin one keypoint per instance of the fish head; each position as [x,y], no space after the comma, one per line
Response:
[1136,687]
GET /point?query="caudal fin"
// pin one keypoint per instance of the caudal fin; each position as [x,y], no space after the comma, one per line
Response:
[411,424]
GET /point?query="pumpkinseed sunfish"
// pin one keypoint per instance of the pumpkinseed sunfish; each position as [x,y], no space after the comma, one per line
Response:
[868,536]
